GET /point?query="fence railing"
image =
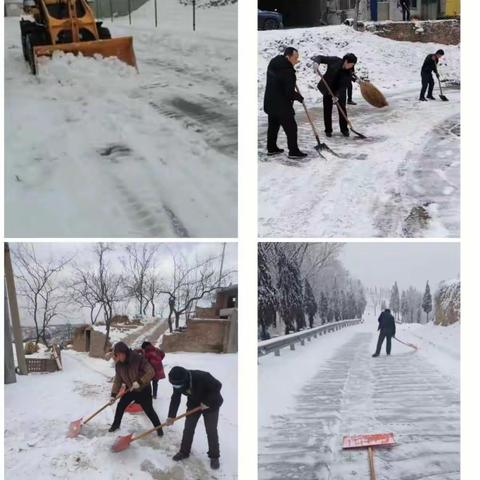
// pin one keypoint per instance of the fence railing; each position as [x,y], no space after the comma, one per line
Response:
[274,345]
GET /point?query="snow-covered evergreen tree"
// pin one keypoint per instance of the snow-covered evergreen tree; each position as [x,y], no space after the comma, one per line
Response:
[427,300]
[310,303]
[395,299]
[403,306]
[323,308]
[266,295]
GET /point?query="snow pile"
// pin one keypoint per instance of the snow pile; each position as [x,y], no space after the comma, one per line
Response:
[390,65]
[35,436]
[447,303]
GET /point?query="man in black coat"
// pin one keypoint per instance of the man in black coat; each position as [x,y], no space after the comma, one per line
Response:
[339,76]
[405,6]
[202,390]
[386,325]
[430,66]
[280,93]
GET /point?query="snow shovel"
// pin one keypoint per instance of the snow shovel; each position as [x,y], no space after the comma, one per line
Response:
[442,96]
[320,146]
[369,441]
[124,442]
[411,345]
[75,426]
[340,109]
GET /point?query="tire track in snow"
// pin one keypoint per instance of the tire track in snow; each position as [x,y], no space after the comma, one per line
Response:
[355,393]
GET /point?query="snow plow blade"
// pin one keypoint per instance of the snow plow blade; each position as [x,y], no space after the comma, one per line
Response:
[121,47]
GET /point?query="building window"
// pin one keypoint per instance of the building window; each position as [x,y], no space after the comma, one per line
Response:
[346,4]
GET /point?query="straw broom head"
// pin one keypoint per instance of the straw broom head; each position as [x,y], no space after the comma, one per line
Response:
[372,94]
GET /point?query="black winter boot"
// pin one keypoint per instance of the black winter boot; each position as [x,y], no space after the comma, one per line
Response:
[275,151]
[297,154]
[215,463]
[113,428]
[180,456]
[375,355]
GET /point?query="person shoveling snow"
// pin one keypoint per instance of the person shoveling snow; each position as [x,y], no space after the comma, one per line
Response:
[202,390]
[155,357]
[280,93]
[386,326]
[136,373]
[430,66]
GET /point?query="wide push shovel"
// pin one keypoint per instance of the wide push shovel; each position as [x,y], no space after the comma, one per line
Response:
[369,441]
[75,426]
[124,442]
[442,96]
[341,111]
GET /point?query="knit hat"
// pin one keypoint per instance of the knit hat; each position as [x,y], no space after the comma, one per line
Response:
[178,376]
[145,345]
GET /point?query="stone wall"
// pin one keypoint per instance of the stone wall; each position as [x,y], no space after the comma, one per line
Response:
[446,32]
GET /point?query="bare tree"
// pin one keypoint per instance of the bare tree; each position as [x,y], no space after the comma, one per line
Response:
[104,286]
[191,281]
[40,286]
[84,297]
[153,288]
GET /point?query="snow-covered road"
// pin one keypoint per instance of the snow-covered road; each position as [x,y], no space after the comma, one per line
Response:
[39,408]
[94,149]
[403,181]
[409,394]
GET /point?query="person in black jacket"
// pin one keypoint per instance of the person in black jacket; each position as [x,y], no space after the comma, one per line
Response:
[280,93]
[430,66]
[339,76]
[386,325]
[202,390]
[405,6]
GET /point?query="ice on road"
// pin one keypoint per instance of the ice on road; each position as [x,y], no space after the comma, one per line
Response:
[93,149]
[408,393]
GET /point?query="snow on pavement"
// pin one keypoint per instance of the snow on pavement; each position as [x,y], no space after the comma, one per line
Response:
[409,164]
[39,408]
[96,150]
[346,391]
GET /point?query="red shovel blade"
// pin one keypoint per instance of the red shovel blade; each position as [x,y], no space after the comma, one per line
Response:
[74,428]
[370,440]
[134,408]
[122,443]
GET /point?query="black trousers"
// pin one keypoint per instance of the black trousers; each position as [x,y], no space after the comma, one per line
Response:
[144,398]
[327,113]
[427,82]
[155,387]
[210,418]
[349,92]
[406,14]
[381,338]
[289,126]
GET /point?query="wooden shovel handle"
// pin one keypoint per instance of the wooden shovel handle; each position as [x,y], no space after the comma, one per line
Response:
[340,109]
[308,114]
[105,406]
[371,464]
[148,432]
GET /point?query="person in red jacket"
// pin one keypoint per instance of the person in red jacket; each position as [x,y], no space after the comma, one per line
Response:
[155,357]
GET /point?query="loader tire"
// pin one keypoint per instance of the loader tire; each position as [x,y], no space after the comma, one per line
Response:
[104,33]
[30,54]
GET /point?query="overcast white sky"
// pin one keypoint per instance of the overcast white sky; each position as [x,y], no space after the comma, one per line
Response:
[381,264]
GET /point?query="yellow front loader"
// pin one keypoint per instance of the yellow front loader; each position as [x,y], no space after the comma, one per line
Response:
[69,26]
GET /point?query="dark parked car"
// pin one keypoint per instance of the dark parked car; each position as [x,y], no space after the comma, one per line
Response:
[269,20]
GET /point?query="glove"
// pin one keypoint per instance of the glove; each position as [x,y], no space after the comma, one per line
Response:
[169,421]
[135,386]
[298,97]
[334,99]
[113,397]
[315,67]
[204,407]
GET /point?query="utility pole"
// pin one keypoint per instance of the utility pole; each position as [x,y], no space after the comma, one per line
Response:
[221,265]
[9,367]
[12,301]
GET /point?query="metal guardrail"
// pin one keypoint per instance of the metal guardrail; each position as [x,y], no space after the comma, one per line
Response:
[275,345]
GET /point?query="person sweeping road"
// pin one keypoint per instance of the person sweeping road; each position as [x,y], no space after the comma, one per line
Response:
[280,93]
[338,77]
[428,68]
[133,370]
[386,326]
[155,357]
[201,389]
